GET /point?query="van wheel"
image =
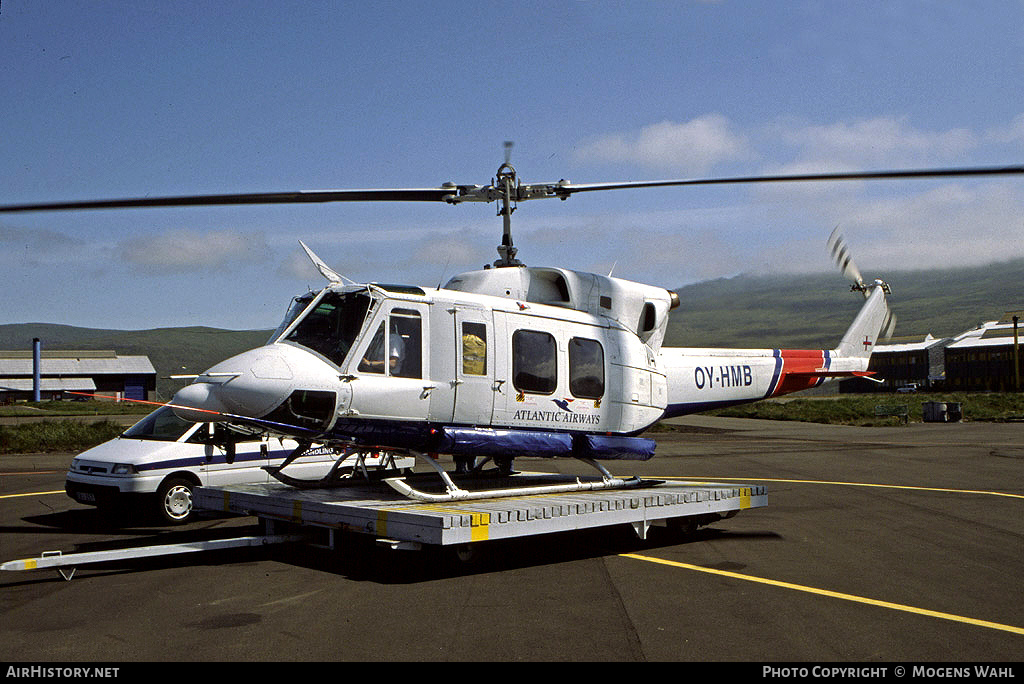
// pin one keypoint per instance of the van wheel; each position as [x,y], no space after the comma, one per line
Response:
[174,500]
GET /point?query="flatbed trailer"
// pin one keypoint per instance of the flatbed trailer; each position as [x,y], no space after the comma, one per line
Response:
[403,524]
[288,514]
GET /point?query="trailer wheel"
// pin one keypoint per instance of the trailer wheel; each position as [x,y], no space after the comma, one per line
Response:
[174,500]
[684,528]
[466,553]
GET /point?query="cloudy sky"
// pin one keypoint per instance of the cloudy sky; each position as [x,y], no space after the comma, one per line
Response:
[108,98]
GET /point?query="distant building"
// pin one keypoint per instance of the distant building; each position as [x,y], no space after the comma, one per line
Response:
[909,362]
[980,359]
[92,372]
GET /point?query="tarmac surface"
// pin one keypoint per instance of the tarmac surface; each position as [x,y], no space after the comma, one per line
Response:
[878,545]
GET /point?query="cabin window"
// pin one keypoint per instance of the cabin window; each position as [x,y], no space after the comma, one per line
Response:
[400,335]
[534,366]
[474,349]
[586,368]
[331,326]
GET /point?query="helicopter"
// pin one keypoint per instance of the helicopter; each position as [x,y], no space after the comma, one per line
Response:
[503,362]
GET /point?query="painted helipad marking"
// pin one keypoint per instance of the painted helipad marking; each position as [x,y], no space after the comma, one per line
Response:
[832,594]
[11,496]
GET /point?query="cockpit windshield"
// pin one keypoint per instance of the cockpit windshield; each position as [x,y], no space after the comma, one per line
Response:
[297,306]
[331,326]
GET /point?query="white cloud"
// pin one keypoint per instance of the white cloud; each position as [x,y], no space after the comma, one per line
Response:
[690,147]
[186,250]
[1012,133]
[873,142]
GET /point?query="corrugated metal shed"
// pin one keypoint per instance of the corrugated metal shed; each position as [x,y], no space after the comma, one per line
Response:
[102,372]
[48,384]
[84,364]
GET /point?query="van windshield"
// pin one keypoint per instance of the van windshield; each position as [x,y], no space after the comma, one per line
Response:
[330,327]
[162,425]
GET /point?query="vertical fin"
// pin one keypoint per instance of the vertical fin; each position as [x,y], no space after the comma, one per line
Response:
[874,321]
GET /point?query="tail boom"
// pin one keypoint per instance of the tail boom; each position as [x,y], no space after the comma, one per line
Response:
[703,379]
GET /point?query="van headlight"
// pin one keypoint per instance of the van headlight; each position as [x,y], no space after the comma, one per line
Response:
[123,469]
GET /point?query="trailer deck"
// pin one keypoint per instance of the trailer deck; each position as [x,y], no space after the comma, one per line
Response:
[290,514]
[376,509]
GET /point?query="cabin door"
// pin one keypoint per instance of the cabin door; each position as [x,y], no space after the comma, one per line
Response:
[474,366]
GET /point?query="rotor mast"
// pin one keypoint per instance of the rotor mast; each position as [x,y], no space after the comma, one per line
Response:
[508,185]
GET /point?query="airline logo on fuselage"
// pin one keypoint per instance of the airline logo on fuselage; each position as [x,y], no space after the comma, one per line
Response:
[563,417]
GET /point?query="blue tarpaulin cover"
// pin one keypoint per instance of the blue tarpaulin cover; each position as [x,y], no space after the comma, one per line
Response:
[616,447]
[499,442]
[510,442]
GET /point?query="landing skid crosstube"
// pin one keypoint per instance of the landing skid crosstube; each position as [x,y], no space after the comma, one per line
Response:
[341,474]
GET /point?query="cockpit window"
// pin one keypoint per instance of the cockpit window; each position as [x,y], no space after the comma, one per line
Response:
[161,425]
[331,326]
[297,306]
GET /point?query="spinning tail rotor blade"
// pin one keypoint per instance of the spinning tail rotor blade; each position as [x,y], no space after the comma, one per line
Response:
[841,254]
[889,327]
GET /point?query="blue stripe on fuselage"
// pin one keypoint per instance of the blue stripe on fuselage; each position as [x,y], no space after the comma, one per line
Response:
[777,353]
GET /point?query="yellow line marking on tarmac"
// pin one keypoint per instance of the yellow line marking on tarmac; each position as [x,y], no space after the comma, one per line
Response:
[846,484]
[832,594]
[11,496]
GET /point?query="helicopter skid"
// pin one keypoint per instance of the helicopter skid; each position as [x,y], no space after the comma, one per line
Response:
[455,493]
[343,471]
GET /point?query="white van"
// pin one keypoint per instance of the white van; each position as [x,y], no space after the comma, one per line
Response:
[158,461]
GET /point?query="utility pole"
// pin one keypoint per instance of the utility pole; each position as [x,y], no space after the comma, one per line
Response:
[1016,356]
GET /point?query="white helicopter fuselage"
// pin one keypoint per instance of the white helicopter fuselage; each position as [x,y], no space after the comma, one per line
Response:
[504,360]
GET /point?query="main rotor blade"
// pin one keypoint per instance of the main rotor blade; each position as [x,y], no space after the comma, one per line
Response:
[456,194]
[298,197]
[565,189]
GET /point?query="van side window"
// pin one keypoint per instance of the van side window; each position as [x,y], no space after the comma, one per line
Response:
[474,348]
[534,366]
[586,368]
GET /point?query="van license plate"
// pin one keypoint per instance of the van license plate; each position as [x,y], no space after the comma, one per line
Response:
[86,497]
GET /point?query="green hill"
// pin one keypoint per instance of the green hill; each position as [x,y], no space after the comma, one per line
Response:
[808,311]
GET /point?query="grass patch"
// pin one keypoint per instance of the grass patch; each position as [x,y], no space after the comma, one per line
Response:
[89,407]
[860,409]
[56,435]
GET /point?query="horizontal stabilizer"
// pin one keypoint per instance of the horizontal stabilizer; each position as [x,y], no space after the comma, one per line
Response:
[823,373]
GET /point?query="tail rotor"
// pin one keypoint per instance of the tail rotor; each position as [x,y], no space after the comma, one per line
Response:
[841,254]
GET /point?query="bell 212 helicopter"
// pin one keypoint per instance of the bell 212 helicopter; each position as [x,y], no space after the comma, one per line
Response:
[502,362]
